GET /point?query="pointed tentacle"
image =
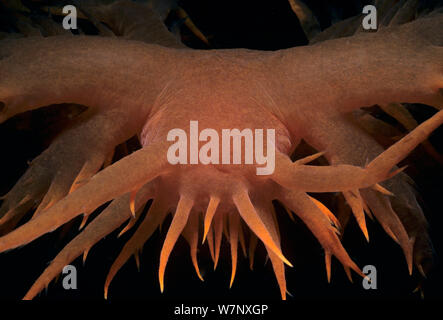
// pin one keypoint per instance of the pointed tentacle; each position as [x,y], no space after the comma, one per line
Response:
[327,213]
[73,158]
[156,214]
[328,266]
[382,210]
[400,113]
[191,235]
[61,185]
[105,223]
[309,159]
[355,201]
[91,167]
[210,237]
[399,150]
[241,239]
[347,144]
[13,216]
[210,212]
[177,225]
[265,209]
[138,168]
[252,219]
[344,177]
[218,231]
[319,225]
[317,178]
[234,225]
[131,222]
[253,240]
[382,190]
[279,271]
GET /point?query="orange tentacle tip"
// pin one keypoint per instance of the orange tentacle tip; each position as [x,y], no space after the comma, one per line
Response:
[132,202]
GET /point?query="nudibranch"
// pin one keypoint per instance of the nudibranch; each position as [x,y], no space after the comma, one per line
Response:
[148,89]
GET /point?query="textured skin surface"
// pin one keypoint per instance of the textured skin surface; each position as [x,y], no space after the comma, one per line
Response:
[136,88]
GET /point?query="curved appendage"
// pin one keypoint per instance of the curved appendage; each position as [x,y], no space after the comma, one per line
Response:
[156,214]
[343,177]
[134,219]
[405,118]
[265,210]
[178,224]
[346,74]
[242,240]
[73,158]
[382,210]
[325,178]
[234,226]
[137,169]
[328,214]
[190,233]
[398,151]
[105,223]
[355,201]
[210,212]
[300,203]
[255,222]
[384,133]
[279,272]
[218,231]
[393,202]
[253,241]
[210,237]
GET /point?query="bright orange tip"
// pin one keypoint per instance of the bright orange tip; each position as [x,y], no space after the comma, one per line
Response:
[85,255]
[161,284]
[132,202]
[328,266]
[210,212]
[326,212]
[381,189]
[84,221]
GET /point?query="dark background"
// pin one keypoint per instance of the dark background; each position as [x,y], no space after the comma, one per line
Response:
[265,25]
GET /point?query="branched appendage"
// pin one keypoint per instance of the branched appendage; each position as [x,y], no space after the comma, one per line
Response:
[345,74]
[89,196]
[109,220]
[400,63]
[393,205]
[71,160]
[400,216]
[231,201]
[30,78]
[393,202]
